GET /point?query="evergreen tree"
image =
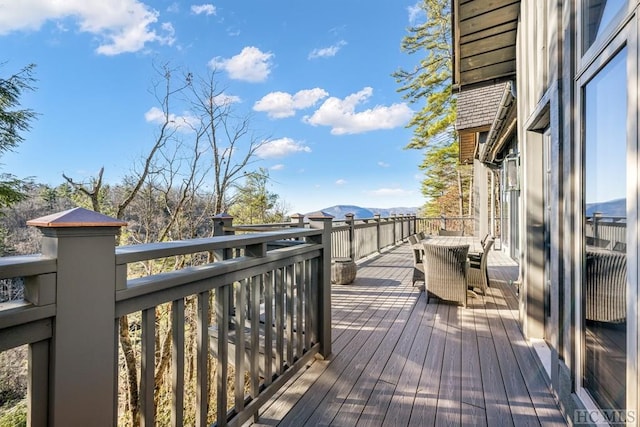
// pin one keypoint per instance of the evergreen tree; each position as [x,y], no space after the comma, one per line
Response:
[13,121]
[254,203]
[429,83]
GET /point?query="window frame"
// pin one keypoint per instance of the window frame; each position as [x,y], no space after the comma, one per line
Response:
[585,57]
[596,58]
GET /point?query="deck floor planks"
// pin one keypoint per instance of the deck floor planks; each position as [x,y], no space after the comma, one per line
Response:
[356,366]
[331,381]
[402,399]
[473,405]
[358,396]
[520,404]
[543,403]
[431,362]
[423,412]
[450,394]
[352,323]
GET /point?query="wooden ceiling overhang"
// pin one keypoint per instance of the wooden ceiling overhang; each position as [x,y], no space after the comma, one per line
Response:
[484,41]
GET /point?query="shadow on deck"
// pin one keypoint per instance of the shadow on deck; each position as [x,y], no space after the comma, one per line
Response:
[399,361]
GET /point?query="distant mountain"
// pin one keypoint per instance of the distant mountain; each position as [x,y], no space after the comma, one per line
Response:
[617,207]
[339,211]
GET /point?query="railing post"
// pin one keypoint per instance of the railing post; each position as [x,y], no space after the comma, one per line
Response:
[597,216]
[376,218]
[220,222]
[297,219]
[83,366]
[443,222]
[323,221]
[352,235]
[393,219]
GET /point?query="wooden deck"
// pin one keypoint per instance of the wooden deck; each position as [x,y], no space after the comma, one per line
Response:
[401,362]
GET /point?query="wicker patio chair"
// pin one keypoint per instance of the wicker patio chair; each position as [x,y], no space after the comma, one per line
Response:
[446,272]
[606,286]
[418,266]
[478,276]
[413,239]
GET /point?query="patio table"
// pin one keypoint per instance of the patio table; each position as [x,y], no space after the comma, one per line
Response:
[474,242]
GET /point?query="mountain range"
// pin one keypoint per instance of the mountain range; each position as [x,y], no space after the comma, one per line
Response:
[339,211]
[617,207]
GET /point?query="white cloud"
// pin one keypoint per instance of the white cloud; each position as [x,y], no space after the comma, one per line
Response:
[383,164]
[277,167]
[174,7]
[182,123]
[327,52]
[224,99]
[279,105]
[415,12]
[387,192]
[121,26]
[251,65]
[207,9]
[341,182]
[280,148]
[341,116]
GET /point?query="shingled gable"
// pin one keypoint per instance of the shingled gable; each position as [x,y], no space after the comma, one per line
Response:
[477,108]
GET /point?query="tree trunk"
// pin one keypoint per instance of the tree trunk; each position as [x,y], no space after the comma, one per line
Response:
[460,196]
[132,373]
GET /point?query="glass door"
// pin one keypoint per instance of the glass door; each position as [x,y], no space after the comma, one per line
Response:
[604,262]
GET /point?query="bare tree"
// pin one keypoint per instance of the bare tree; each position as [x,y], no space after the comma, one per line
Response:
[233,144]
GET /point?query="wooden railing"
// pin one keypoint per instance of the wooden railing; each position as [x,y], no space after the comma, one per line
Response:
[360,238]
[607,232]
[258,305]
[431,225]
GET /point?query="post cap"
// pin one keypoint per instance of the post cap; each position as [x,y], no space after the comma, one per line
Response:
[76,217]
[319,215]
[223,215]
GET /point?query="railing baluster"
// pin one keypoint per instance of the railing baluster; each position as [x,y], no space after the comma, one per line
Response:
[255,336]
[38,387]
[147,368]
[290,310]
[279,320]
[202,359]
[313,300]
[299,301]
[241,296]
[268,327]
[177,362]
[307,305]
[222,320]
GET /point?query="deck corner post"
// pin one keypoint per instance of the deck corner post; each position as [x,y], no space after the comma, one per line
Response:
[324,223]
[82,364]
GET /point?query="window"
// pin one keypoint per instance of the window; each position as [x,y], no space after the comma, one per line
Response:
[604,322]
[596,15]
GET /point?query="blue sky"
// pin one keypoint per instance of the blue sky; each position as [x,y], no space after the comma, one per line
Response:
[314,76]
